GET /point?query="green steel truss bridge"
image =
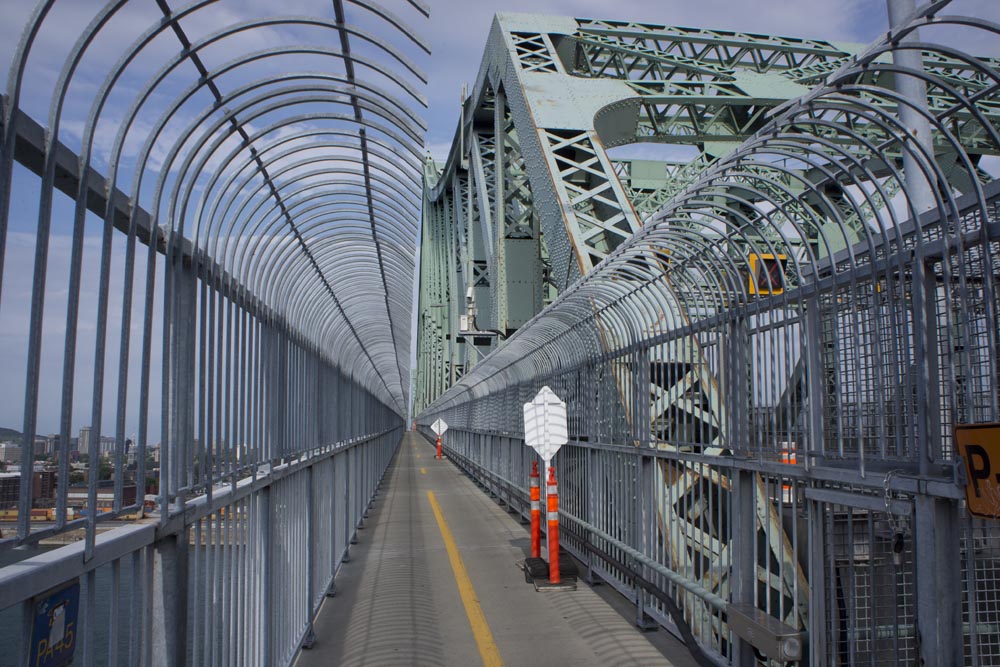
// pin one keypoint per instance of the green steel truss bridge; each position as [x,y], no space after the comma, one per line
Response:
[761,271]
[764,347]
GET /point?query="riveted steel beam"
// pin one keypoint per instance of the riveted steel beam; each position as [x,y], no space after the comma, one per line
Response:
[792,302]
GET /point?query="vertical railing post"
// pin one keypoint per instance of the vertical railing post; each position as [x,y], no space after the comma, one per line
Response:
[938,577]
[170,554]
[178,381]
[644,522]
[818,601]
[267,567]
[334,556]
[352,468]
[937,548]
[590,490]
[742,509]
[642,424]
[815,448]
[812,345]
[170,600]
[344,464]
[743,554]
[310,636]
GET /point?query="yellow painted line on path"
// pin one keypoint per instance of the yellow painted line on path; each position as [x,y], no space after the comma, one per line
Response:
[488,650]
[423,471]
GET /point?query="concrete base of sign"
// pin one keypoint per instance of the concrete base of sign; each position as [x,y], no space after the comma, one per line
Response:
[536,572]
[545,586]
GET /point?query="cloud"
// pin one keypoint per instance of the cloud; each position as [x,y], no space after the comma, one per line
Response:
[439,149]
[457,32]
[14,331]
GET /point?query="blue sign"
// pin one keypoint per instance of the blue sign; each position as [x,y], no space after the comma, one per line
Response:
[54,628]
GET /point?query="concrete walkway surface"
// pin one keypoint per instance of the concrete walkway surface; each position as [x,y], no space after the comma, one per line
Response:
[400,598]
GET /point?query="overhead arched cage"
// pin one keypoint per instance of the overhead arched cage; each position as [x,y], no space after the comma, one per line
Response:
[768,382]
[208,223]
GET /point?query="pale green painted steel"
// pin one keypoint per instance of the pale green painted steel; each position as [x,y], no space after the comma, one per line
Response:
[782,446]
[558,91]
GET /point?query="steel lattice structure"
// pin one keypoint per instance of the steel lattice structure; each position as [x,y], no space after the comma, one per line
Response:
[762,378]
[223,200]
[571,88]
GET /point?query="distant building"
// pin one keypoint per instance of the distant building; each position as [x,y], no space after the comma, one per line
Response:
[84,441]
[77,495]
[10,490]
[107,446]
[43,488]
[74,456]
[43,484]
[10,452]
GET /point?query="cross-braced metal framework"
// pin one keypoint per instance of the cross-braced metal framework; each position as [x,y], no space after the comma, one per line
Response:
[558,92]
[208,220]
[763,379]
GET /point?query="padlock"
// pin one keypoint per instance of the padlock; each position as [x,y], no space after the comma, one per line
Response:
[897,548]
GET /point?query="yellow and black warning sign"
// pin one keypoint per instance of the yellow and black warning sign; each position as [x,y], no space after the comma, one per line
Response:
[979,446]
[767,273]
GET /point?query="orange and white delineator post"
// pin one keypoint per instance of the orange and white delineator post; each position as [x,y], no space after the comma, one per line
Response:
[439,447]
[536,511]
[787,456]
[552,490]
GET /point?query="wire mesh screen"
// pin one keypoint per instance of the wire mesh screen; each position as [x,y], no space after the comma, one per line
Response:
[765,382]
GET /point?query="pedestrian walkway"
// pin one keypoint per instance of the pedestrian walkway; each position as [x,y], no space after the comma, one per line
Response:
[434,582]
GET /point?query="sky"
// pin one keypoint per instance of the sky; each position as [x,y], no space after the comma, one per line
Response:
[458,29]
[456,32]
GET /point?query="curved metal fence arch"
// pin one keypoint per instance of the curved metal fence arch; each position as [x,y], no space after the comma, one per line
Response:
[788,446]
[224,313]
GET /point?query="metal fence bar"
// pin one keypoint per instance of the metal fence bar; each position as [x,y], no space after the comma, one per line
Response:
[216,557]
[786,346]
[228,332]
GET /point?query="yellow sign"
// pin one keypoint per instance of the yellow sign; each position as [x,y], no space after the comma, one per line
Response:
[767,273]
[979,446]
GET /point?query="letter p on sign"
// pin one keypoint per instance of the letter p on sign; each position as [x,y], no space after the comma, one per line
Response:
[979,446]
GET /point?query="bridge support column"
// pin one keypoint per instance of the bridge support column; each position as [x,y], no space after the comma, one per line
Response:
[170,600]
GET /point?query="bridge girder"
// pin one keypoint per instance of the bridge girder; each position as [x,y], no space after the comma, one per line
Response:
[573,89]
[551,205]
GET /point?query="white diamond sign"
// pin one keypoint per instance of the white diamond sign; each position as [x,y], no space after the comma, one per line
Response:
[439,427]
[545,424]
